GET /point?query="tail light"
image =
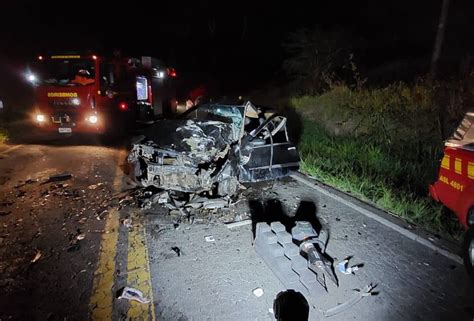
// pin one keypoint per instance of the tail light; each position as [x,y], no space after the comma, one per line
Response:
[123,106]
[172,72]
[150,95]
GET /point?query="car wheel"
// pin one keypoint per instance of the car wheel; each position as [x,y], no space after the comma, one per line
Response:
[468,251]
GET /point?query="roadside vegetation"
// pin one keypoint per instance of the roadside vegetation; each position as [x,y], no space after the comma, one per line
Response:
[380,143]
[3,136]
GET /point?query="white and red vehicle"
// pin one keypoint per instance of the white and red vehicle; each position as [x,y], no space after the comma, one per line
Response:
[97,94]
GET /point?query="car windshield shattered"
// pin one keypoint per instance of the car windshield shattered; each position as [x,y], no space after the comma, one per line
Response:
[228,114]
[213,148]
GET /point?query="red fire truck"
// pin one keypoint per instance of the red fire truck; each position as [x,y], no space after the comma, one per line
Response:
[99,94]
[455,185]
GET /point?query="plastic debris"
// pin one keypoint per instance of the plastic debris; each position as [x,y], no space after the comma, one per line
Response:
[80,237]
[127,222]
[344,267]
[37,257]
[366,291]
[132,294]
[209,238]
[258,292]
[177,250]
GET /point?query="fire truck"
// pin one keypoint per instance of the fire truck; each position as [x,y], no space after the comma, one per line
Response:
[455,185]
[88,93]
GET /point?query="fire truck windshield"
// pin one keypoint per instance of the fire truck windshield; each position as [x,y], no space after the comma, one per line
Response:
[74,72]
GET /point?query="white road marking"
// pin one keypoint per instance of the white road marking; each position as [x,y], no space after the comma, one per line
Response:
[456,258]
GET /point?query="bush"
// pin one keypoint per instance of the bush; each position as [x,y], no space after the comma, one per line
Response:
[382,144]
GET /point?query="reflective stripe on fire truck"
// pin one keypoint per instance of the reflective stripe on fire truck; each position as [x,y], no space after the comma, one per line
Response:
[66,57]
[458,166]
[445,162]
[62,95]
[470,170]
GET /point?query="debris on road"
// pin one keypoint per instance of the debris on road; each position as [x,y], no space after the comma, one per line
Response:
[238,224]
[127,223]
[37,257]
[94,186]
[344,268]
[27,182]
[365,292]
[209,238]
[73,247]
[177,250]
[58,178]
[258,292]
[132,294]
[80,237]
[5,213]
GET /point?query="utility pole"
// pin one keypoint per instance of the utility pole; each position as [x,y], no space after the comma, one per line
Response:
[439,38]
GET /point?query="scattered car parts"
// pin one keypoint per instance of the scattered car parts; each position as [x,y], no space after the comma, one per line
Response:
[365,292]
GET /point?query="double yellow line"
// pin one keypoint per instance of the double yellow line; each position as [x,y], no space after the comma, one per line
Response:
[138,276]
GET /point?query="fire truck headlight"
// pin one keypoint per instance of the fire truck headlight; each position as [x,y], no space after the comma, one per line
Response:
[93,119]
[40,118]
[76,101]
[31,78]
[160,74]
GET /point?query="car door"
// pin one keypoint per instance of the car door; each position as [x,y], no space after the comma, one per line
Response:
[267,153]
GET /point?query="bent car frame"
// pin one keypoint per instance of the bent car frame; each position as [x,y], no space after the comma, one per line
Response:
[213,148]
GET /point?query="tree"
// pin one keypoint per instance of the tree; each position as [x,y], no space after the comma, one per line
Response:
[439,38]
[314,56]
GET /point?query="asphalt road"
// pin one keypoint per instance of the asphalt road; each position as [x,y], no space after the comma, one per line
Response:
[65,252]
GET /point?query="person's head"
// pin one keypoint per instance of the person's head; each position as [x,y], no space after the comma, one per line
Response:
[291,305]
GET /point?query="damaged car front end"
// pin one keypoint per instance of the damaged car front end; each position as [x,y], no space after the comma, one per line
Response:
[213,148]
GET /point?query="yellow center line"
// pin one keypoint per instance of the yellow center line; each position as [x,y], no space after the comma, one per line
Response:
[10,149]
[101,301]
[139,276]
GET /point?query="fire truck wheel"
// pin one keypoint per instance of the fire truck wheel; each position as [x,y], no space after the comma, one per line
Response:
[468,251]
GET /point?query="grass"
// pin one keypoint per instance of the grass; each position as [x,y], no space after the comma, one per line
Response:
[357,143]
[3,136]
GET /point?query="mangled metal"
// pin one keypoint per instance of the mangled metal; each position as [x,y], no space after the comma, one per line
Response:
[212,148]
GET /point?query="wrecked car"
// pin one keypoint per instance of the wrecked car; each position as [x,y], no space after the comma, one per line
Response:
[213,148]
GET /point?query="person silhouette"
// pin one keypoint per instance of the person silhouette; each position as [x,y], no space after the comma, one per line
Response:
[83,77]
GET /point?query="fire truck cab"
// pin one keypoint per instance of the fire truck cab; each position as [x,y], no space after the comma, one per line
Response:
[99,94]
[455,185]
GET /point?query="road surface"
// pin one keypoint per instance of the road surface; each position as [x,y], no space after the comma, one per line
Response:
[66,253]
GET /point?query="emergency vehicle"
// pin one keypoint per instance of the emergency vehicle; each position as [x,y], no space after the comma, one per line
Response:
[455,185]
[99,94]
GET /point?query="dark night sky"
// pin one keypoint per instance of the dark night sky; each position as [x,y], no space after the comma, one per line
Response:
[179,31]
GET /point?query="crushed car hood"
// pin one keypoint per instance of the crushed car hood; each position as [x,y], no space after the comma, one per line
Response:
[198,141]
